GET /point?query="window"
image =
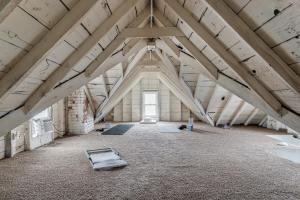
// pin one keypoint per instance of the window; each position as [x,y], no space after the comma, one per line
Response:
[150,107]
[38,122]
[44,115]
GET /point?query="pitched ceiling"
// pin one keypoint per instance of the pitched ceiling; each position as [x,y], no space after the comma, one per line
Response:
[232,61]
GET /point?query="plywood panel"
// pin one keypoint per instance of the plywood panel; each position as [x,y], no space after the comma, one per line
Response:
[245,114]
[13,31]
[217,102]
[196,7]
[9,55]
[96,16]
[212,22]
[70,3]
[76,37]
[257,13]
[204,90]
[289,51]
[237,5]
[283,27]
[48,12]
[229,113]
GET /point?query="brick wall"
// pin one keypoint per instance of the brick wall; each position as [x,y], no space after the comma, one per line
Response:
[80,116]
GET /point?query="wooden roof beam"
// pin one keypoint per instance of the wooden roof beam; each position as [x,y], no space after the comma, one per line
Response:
[90,99]
[18,116]
[256,43]
[154,32]
[84,48]
[104,85]
[259,90]
[210,103]
[168,46]
[225,109]
[285,116]
[6,7]
[18,73]
[240,109]
[181,90]
[131,66]
[128,83]
[263,120]
[253,113]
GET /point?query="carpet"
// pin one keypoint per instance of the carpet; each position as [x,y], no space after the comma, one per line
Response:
[288,148]
[168,129]
[119,129]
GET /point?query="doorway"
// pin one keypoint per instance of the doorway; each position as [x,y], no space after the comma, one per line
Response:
[150,104]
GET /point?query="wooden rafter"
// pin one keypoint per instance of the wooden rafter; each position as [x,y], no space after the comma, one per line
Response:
[263,120]
[181,90]
[18,116]
[211,103]
[285,116]
[225,109]
[6,7]
[104,86]
[256,43]
[128,83]
[90,98]
[253,113]
[40,51]
[132,66]
[168,46]
[153,32]
[87,45]
[240,109]
[197,87]
[258,89]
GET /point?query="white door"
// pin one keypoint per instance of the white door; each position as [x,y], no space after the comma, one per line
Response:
[150,104]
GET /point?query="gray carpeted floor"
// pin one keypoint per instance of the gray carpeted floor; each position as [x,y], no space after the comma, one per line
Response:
[226,165]
[119,129]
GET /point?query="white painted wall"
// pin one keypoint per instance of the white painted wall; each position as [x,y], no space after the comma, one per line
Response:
[136,101]
[127,107]
[130,108]
[164,103]
[2,147]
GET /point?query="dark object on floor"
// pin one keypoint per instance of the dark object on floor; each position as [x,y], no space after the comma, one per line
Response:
[105,159]
[118,129]
[100,130]
[183,126]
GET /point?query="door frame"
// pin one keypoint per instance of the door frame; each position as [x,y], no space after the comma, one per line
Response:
[157,103]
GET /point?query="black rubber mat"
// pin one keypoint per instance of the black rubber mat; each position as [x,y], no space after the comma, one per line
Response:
[118,129]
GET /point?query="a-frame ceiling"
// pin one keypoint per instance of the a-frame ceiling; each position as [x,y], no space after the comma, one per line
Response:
[226,57]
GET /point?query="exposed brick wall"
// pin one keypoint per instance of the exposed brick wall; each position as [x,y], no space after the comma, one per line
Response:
[80,116]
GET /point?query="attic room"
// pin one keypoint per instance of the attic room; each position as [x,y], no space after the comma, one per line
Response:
[149,99]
